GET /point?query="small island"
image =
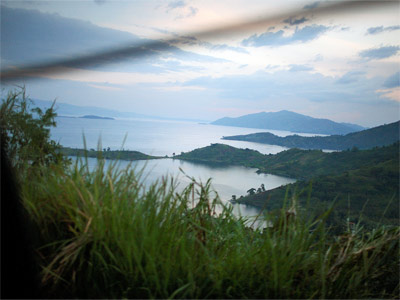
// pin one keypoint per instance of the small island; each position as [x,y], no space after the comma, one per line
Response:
[107,153]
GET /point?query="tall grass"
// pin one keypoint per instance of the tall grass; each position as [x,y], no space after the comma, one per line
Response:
[103,234]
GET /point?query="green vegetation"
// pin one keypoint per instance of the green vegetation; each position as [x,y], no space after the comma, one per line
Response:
[375,137]
[295,163]
[220,154]
[25,132]
[103,234]
[306,164]
[107,154]
[354,178]
[369,195]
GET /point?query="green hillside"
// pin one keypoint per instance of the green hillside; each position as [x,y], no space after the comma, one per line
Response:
[296,163]
[306,164]
[354,178]
[221,154]
[371,192]
[375,137]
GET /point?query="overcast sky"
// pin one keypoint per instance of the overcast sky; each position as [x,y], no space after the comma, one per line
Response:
[343,66]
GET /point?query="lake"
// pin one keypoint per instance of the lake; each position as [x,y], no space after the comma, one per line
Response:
[154,137]
[226,181]
[162,138]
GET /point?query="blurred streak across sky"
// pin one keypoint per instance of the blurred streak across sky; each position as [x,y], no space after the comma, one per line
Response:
[340,63]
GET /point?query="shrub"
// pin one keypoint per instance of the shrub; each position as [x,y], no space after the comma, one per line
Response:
[25,132]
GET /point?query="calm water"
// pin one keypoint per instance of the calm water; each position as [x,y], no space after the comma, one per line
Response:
[152,136]
[168,137]
[226,181]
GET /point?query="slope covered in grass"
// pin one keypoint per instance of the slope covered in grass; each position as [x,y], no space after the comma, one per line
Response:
[102,235]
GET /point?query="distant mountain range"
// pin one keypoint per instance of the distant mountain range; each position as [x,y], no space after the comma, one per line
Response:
[289,121]
[375,137]
[69,110]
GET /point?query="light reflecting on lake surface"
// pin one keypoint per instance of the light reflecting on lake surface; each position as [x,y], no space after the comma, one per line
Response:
[226,181]
[153,137]
[162,138]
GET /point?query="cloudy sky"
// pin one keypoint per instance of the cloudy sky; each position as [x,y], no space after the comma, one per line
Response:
[343,65]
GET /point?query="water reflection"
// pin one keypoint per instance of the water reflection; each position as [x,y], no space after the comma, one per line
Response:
[226,180]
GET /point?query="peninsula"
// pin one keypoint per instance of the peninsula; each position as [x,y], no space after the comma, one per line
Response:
[375,137]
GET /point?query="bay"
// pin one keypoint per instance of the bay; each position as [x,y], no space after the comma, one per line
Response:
[226,181]
[153,137]
[161,138]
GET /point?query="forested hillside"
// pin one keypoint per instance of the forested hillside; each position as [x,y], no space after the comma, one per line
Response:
[375,137]
[369,195]
[354,179]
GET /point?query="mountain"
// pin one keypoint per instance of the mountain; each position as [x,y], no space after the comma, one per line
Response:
[366,139]
[290,121]
[69,110]
[65,109]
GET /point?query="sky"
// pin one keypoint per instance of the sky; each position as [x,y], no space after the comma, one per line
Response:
[342,65]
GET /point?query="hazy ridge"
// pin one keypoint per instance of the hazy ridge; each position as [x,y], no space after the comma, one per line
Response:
[289,121]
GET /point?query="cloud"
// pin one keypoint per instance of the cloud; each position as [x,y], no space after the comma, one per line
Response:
[294,21]
[300,68]
[183,9]
[379,53]
[175,4]
[31,3]
[104,87]
[193,11]
[192,41]
[288,87]
[303,35]
[52,37]
[379,29]
[312,5]
[65,38]
[99,2]
[318,58]
[392,93]
[350,77]
[224,47]
[392,81]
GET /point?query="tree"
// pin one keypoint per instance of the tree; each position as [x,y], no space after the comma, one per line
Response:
[262,187]
[25,132]
[251,191]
